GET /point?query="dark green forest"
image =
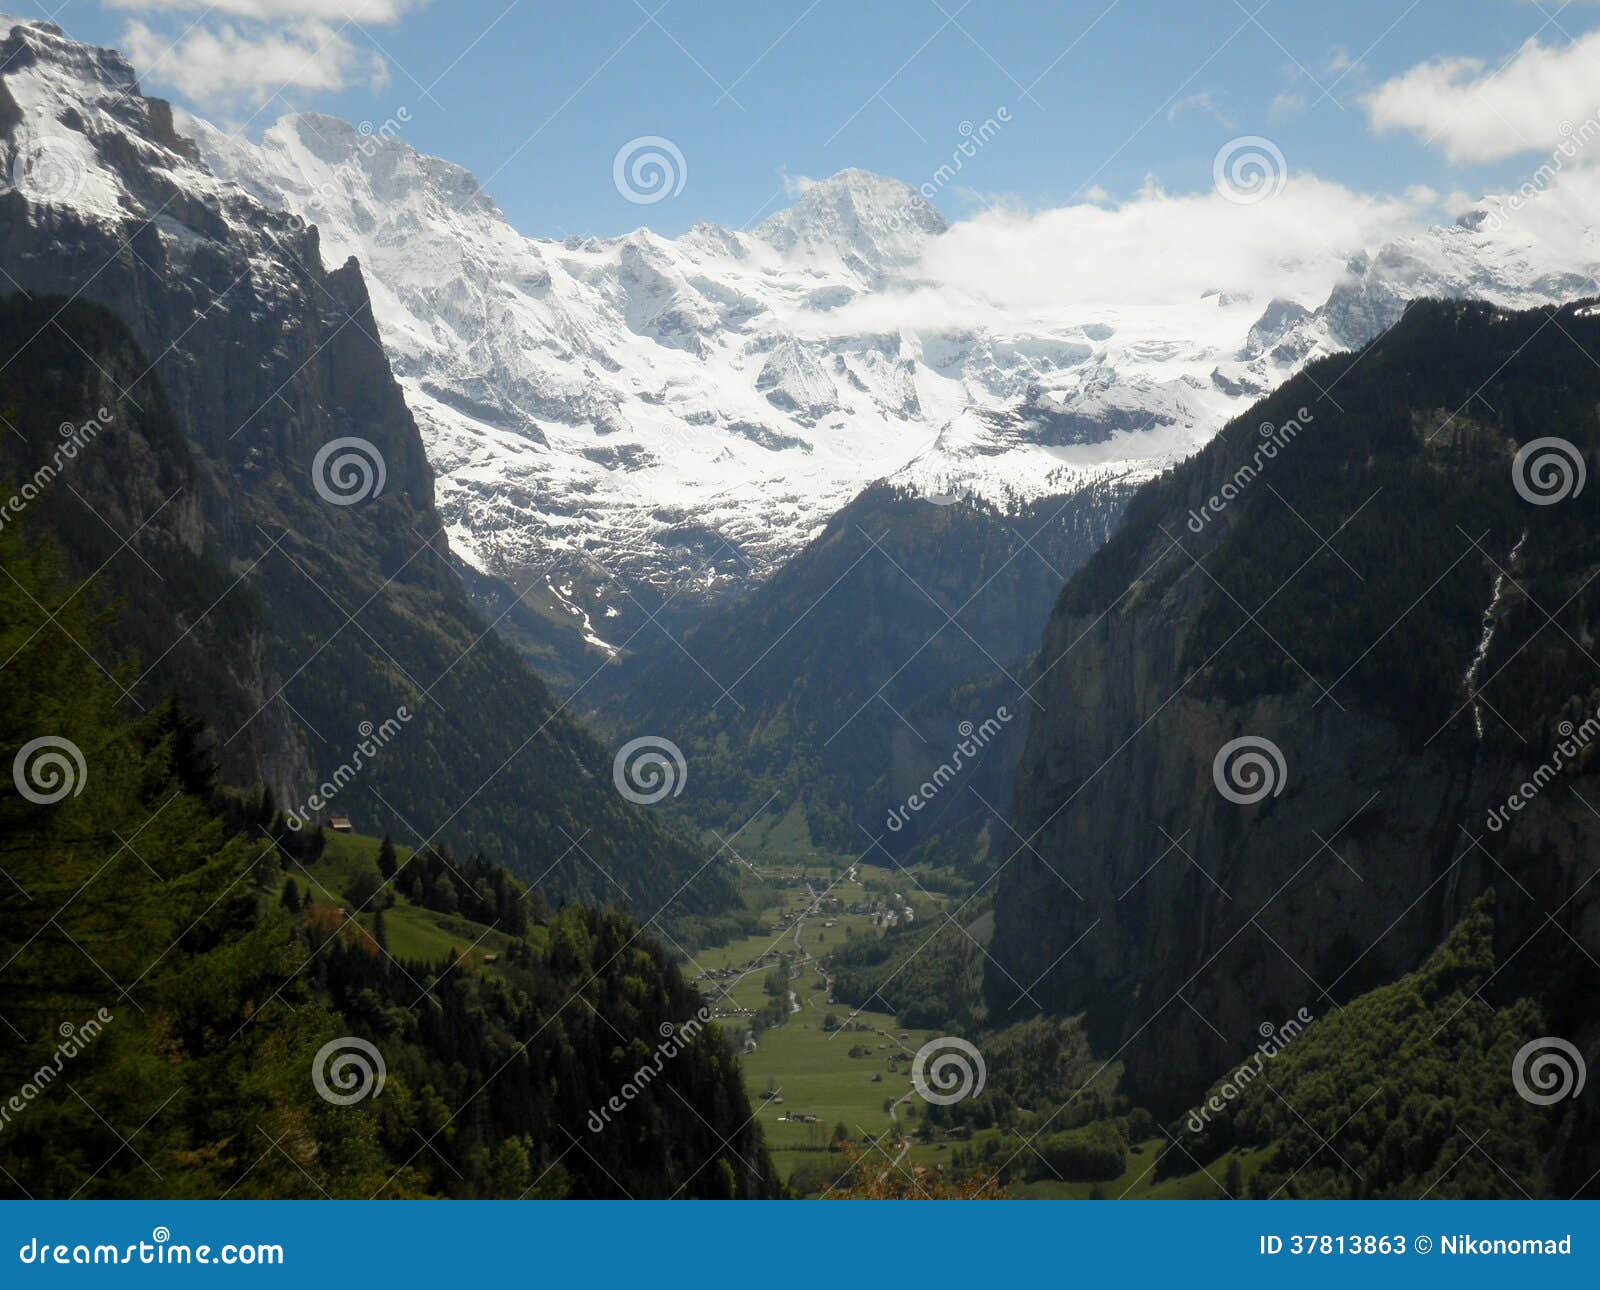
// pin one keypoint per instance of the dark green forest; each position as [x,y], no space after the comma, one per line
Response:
[858,662]
[139,898]
[1406,1091]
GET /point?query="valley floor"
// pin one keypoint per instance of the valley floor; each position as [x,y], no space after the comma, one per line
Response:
[812,1064]
[818,1070]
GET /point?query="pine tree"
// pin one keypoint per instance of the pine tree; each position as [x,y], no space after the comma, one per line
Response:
[1233,1179]
[163,946]
[188,748]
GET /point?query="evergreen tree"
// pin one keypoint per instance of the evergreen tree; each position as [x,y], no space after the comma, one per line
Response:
[387,863]
[1233,1180]
[188,748]
[150,953]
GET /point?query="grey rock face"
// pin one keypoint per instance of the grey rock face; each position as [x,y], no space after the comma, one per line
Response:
[267,358]
[1401,709]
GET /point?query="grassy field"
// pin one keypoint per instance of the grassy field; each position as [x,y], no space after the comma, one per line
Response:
[1137,1181]
[801,1076]
[346,858]
[414,934]
[799,1067]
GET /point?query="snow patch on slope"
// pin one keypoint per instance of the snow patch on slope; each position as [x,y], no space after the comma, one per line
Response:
[685,413]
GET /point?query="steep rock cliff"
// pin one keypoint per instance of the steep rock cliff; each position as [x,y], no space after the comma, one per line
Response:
[1366,600]
[315,492]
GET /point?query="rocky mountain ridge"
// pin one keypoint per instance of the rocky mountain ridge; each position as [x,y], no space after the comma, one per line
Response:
[619,421]
[1287,704]
[311,488]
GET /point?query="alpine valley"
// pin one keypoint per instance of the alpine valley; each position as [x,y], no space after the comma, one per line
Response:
[616,422]
[358,539]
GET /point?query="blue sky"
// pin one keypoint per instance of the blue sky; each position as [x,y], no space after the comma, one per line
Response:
[537,98]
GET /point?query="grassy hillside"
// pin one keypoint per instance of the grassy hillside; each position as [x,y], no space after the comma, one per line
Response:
[281,1013]
[1406,1091]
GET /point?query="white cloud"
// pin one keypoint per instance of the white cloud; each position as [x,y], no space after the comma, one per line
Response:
[1156,246]
[794,185]
[382,12]
[1007,266]
[1286,105]
[229,65]
[1476,113]
[1549,218]
[1202,102]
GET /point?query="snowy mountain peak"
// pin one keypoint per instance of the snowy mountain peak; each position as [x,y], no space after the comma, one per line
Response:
[869,222]
[338,168]
[395,169]
[603,414]
[32,40]
[79,136]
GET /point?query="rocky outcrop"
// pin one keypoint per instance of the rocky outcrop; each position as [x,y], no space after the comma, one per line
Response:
[1397,682]
[95,459]
[316,494]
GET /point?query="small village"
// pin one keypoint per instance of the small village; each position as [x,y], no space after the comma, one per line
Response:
[817,1069]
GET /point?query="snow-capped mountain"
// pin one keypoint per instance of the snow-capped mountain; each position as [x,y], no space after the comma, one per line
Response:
[684,413]
[689,411]
[310,596]
[638,405]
